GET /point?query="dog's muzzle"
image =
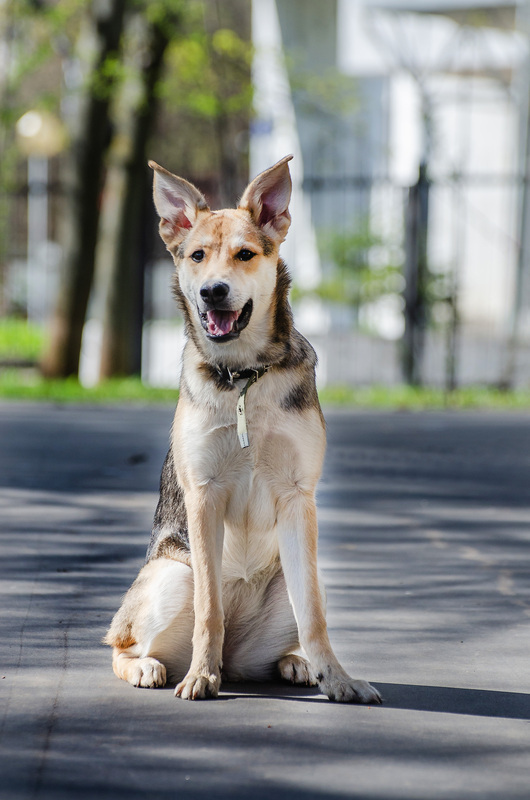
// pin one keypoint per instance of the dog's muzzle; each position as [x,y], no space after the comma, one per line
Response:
[223,324]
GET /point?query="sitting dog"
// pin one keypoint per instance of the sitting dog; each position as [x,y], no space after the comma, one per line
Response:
[230,586]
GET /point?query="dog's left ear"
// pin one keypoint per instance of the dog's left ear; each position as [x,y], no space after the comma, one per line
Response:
[267,200]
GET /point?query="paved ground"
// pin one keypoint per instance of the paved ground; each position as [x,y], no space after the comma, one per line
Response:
[425,532]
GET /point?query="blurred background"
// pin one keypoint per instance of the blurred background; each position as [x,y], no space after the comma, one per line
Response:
[409,123]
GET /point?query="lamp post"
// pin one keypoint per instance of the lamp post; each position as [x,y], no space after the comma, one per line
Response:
[40,136]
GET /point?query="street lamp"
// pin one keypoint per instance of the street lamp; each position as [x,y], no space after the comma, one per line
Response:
[40,136]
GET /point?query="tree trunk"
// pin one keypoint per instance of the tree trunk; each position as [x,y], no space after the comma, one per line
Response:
[83,188]
[124,226]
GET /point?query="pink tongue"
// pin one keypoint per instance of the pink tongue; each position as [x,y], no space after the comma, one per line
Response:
[221,322]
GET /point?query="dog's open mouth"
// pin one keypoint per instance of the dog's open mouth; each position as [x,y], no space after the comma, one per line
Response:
[222,325]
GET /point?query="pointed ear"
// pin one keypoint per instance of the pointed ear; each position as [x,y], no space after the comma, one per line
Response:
[177,203]
[267,200]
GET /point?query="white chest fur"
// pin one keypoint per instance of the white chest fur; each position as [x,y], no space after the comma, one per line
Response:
[286,451]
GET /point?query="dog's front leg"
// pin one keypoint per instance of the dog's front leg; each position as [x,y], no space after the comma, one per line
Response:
[206,544]
[298,534]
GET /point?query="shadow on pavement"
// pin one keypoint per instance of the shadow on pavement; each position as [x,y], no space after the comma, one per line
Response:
[437,699]
[446,700]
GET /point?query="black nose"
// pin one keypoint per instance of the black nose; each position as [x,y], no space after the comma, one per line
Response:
[214,292]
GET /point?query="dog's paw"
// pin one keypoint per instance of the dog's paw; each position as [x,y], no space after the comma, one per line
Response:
[198,687]
[147,673]
[296,669]
[343,689]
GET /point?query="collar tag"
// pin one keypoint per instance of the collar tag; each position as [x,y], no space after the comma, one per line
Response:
[242,430]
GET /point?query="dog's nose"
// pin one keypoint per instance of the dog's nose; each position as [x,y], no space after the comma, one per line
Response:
[214,292]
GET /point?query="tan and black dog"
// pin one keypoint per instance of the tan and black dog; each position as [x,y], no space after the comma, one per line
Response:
[231,585]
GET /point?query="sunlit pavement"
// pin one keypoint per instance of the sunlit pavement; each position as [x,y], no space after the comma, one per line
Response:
[425,533]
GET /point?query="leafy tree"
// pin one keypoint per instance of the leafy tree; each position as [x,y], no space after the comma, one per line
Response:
[207,93]
[127,188]
[191,66]
[84,181]
[190,59]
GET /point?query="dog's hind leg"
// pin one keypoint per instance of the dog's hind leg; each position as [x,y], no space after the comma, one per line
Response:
[151,632]
[296,669]
[145,672]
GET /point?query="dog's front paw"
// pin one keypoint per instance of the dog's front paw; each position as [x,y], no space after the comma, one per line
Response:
[198,687]
[296,669]
[147,673]
[343,689]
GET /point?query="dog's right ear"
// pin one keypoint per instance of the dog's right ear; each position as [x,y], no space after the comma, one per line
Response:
[177,203]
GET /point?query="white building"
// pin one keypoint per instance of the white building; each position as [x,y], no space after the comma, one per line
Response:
[442,81]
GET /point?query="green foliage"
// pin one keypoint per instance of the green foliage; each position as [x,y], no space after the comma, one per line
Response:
[439,298]
[206,96]
[208,74]
[38,33]
[105,80]
[20,340]
[364,268]
[162,12]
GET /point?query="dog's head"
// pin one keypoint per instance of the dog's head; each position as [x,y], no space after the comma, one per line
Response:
[226,260]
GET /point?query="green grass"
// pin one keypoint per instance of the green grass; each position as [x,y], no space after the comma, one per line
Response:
[416,398]
[28,385]
[20,340]
[21,385]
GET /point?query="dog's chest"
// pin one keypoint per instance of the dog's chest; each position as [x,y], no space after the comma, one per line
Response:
[250,540]
[248,485]
[210,447]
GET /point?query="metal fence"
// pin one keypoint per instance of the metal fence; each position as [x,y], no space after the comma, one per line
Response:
[449,324]
[458,243]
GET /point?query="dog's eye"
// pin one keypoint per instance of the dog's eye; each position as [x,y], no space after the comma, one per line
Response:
[245,255]
[198,255]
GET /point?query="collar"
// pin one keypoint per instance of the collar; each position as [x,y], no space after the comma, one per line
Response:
[228,376]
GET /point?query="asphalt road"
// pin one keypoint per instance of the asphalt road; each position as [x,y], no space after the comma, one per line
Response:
[425,532]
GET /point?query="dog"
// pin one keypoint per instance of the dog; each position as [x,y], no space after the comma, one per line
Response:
[230,588]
